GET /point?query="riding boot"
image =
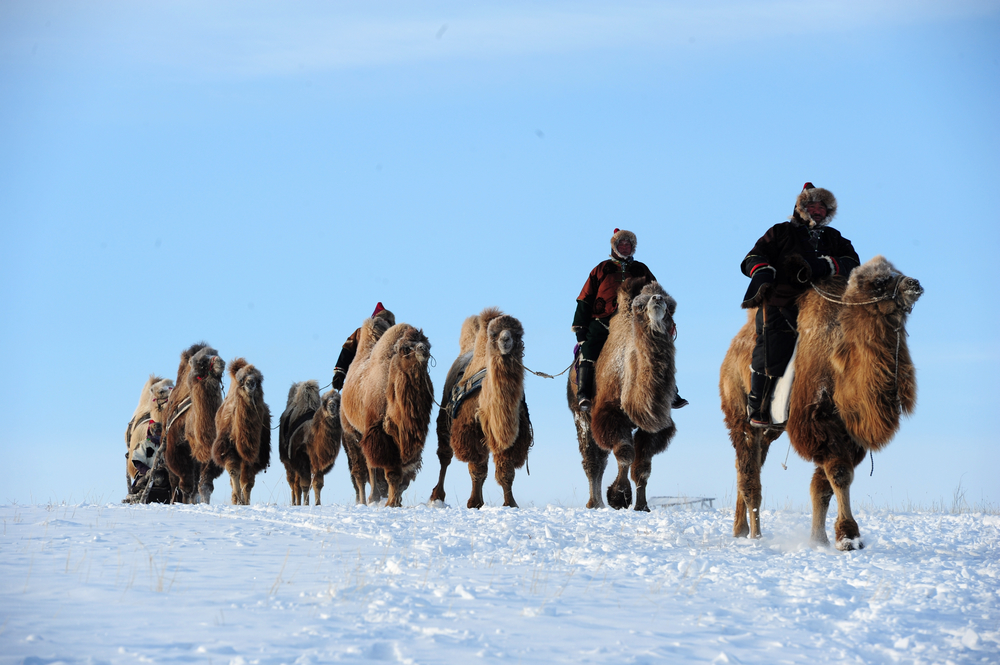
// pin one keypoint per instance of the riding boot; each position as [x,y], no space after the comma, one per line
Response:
[679,402]
[585,384]
[758,400]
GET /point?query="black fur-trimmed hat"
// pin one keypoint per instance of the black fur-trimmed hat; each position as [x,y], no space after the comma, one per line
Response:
[813,194]
[619,235]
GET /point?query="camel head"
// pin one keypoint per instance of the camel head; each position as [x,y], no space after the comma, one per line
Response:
[330,405]
[206,363]
[247,381]
[654,307]
[160,392]
[879,284]
[413,342]
[505,336]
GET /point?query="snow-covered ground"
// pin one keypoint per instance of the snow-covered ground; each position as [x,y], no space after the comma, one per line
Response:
[274,584]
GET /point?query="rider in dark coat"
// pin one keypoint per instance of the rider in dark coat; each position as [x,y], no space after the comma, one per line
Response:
[781,266]
[350,348]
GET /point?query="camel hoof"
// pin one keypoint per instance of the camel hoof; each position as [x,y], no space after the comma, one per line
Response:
[595,504]
[475,504]
[437,494]
[643,508]
[619,499]
[850,544]
[741,531]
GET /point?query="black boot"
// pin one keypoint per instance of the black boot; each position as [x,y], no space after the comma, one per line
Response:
[758,400]
[585,384]
[679,402]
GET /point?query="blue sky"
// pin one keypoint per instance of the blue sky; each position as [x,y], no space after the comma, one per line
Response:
[259,175]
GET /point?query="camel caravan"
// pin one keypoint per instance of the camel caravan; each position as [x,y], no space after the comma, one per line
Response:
[823,357]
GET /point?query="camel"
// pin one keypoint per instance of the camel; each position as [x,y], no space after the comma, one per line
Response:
[853,378]
[152,400]
[190,428]
[323,440]
[466,343]
[242,443]
[386,405]
[634,388]
[294,430]
[484,410]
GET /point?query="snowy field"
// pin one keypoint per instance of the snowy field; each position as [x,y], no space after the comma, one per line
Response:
[273,584]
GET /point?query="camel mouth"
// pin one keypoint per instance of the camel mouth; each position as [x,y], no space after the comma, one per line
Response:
[505,342]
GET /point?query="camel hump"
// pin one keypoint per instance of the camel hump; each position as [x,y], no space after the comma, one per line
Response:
[467,338]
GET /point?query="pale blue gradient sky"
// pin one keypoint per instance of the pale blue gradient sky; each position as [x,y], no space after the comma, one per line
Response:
[259,175]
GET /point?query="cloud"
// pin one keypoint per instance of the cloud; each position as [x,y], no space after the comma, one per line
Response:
[271,39]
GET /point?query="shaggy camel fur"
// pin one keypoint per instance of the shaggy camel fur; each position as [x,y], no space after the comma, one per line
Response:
[294,429]
[190,428]
[853,380]
[323,440]
[634,380]
[152,401]
[243,430]
[493,419]
[466,342]
[386,404]
[368,335]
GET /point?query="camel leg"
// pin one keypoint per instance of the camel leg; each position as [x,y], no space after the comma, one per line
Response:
[394,478]
[356,463]
[444,453]
[247,481]
[613,431]
[594,460]
[380,487]
[647,445]
[620,491]
[206,485]
[504,474]
[821,492]
[748,488]
[234,484]
[840,473]
[293,484]
[478,471]
[317,482]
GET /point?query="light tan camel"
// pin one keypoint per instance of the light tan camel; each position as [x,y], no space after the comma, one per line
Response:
[634,380]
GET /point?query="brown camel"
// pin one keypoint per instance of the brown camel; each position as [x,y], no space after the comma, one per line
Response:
[152,401]
[294,430]
[487,413]
[323,440]
[634,381]
[853,378]
[190,428]
[386,405]
[466,343]
[243,430]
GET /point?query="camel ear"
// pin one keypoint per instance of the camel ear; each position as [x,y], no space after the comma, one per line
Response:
[671,305]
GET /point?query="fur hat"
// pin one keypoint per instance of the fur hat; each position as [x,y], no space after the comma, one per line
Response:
[382,313]
[812,194]
[619,235]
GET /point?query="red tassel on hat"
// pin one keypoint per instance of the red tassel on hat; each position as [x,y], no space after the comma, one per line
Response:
[808,185]
[616,231]
[378,308]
